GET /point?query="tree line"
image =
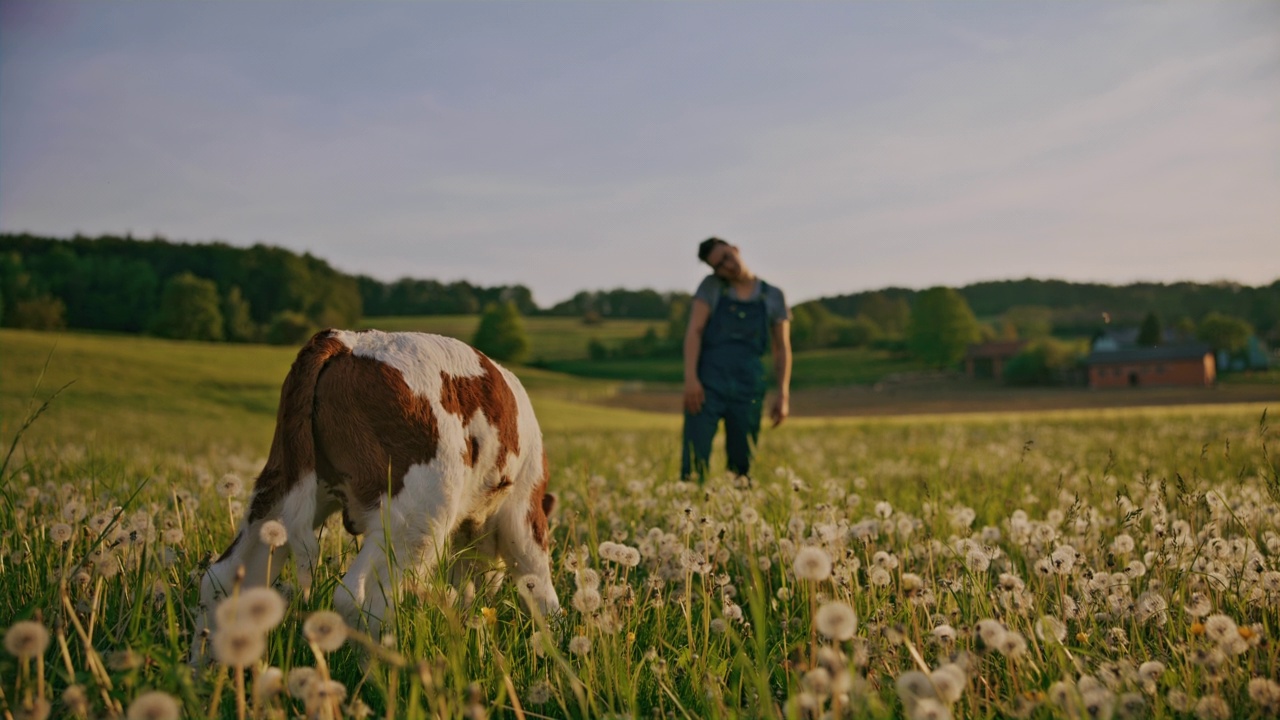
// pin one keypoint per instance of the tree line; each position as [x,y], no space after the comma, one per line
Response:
[215,291]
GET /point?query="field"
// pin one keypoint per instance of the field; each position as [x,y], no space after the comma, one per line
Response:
[1087,563]
[550,338]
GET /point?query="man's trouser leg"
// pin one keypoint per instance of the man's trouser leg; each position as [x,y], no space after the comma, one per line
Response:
[741,430]
[699,431]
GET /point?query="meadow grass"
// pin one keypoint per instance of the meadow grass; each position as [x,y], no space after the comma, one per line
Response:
[1117,563]
[550,338]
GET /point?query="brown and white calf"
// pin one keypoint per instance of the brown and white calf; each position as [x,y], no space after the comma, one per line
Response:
[419,440]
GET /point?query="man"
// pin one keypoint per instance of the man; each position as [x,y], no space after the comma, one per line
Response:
[734,317]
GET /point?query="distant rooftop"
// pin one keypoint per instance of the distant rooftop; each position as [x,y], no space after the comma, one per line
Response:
[1163,352]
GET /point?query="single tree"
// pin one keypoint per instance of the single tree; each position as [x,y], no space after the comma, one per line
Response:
[1224,332]
[501,334]
[942,326]
[1151,333]
[237,317]
[188,309]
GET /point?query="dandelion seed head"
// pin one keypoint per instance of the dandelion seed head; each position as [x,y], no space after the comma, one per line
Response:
[817,681]
[229,486]
[273,534]
[1220,627]
[238,645]
[944,634]
[1012,645]
[270,683]
[261,607]
[1099,703]
[299,681]
[587,600]
[990,631]
[326,629]
[836,620]
[580,645]
[949,681]
[1150,671]
[60,533]
[587,578]
[154,705]
[26,639]
[813,564]
[1212,707]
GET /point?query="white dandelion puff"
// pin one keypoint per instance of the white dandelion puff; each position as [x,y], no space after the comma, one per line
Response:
[273,534]
[326,629]
[238,645]
[60,533]
[229,486]
[26,639]
[580,645]
[812,563]
[154,705]
[299,681]
[836,620]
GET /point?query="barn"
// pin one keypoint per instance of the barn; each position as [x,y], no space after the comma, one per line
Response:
[1171,365]
[988,360]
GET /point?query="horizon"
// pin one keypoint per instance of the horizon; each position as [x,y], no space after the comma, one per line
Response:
[845,148]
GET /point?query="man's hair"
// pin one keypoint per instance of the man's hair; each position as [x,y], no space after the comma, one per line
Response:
[706,246]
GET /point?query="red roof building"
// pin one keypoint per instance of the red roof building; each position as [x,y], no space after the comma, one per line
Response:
[1186,365]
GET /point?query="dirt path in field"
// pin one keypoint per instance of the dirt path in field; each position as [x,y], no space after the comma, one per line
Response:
[959,395]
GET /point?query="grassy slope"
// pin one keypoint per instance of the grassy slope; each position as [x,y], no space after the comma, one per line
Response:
[550,338]
[183,396]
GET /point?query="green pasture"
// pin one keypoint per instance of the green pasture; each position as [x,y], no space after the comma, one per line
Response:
[1112,523]
[550,338]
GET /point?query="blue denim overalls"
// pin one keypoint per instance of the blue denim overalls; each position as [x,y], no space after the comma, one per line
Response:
[732,376]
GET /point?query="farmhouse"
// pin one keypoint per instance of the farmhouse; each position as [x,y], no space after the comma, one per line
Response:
[1152,366]
[987,360]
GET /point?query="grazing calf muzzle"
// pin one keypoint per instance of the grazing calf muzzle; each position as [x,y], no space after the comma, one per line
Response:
[423,443]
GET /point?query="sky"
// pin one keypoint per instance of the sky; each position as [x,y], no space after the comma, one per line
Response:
[574,146]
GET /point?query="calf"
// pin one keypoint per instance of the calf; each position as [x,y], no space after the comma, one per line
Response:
[418,439]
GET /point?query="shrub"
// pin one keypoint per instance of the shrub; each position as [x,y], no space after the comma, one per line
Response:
[1042,362]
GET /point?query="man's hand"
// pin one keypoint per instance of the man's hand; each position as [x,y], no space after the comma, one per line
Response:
[694,396]
[780,410]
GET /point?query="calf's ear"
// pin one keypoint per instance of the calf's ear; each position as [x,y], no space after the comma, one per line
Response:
[548,504]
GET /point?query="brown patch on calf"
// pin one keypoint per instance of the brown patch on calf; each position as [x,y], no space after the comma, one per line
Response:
[292,453]
[489,393]
[541,503]
[370,428]
[473,452]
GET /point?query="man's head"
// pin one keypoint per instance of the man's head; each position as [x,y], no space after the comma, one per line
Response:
[721,256]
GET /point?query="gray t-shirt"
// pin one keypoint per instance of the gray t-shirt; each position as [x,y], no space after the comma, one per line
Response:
[775,304]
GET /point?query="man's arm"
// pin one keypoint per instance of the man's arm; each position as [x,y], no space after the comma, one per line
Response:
[693,392]
[782,370]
